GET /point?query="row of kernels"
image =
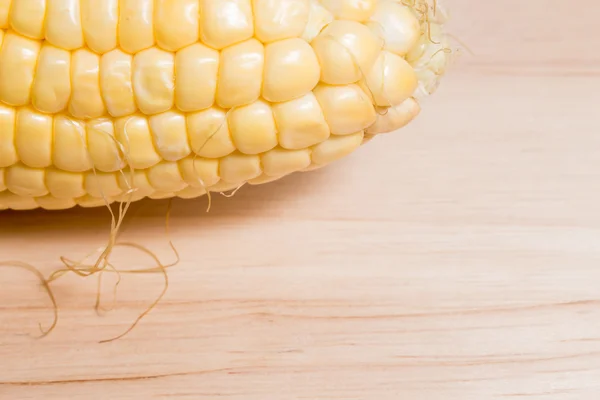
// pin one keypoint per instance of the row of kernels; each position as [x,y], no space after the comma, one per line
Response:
[297,124]
[37,182]
[135,25]
[289,69]
[9,200]
[172,177]
[57,21]
[50,78]
[393,25]
[42,140]
[154,80]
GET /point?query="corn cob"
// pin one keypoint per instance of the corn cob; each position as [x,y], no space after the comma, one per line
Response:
[116,100]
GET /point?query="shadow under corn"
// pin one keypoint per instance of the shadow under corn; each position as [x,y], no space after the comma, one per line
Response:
[249,201]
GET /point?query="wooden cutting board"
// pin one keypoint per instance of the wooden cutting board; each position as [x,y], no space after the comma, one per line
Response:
[457,259]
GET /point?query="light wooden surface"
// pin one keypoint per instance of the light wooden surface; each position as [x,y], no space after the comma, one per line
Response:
[457,259]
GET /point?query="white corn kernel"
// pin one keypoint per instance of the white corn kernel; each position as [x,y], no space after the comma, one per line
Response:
[200,172]
[33,138]
[166,177]
[100,19]
[176,23]
[395,117]
[196,72]
[280,162]
[14,202]
[253,128]
[8,151]
[238,168]
[27,18]
[18,59]
[397,25]
[106,153]
[25,181]
[136,25]
[70,150]
[280,19]
[101,185]
[336,147]
[49,202]
[391,80]
[63,24]
[153,80]
[301,123]
[291,70]
[86,99]
[136,181]
[190,193]
[52,83]
[208,131]
[134,134]
[170,135]
[346,50]
[240,74]
[116,74]
[63,184]
[347,109]
[225,22]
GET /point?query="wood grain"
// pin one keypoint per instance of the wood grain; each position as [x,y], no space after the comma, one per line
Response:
[456,259]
